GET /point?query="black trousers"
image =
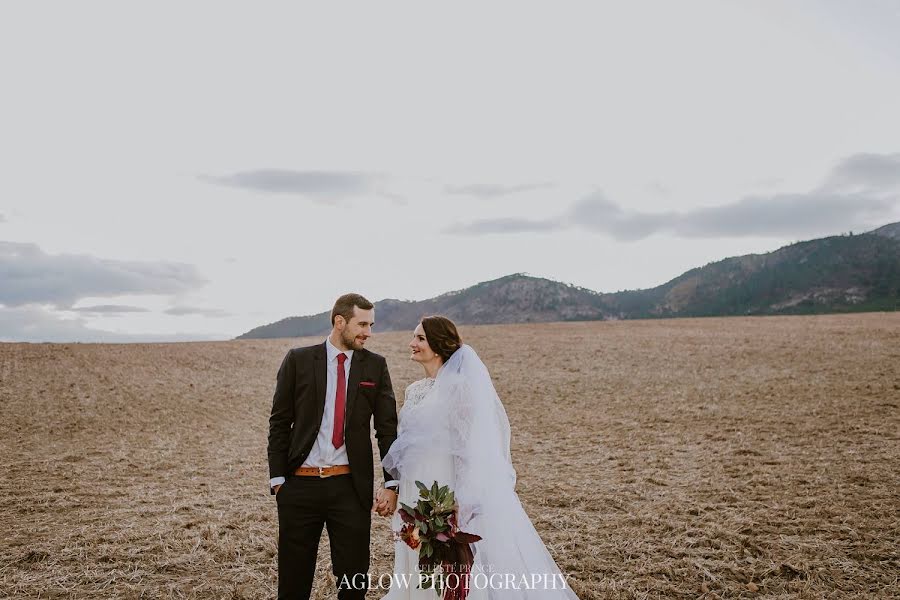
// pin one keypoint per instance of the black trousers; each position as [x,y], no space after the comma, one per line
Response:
[305,504]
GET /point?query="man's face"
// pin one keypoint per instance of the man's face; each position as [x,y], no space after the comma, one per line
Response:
[358,329]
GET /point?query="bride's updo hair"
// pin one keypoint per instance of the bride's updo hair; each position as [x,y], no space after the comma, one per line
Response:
[443,339]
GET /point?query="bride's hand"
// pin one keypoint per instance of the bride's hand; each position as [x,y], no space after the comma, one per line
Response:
[385,502]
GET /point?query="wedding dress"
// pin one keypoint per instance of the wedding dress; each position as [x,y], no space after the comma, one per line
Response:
[453,429]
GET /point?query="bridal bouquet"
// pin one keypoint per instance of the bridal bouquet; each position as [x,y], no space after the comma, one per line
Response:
[431,527]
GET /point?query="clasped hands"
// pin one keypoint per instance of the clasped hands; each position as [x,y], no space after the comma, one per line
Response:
[385,502]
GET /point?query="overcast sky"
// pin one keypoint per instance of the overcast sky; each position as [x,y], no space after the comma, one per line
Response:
[190,171]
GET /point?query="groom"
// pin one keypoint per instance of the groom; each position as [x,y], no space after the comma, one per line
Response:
[320,451]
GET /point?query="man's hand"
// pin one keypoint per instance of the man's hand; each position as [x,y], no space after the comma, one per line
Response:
[385,502]
[276,488]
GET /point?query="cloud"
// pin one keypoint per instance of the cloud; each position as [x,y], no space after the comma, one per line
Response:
[597,213]
[490,190]
[39,324]
[109,309]
[858,194]
[783,215]
[871,172]
[320,185]
[35,324]
[505,225]
[659,189]
[766,183]
[180,311]
[2,218]
[30,276]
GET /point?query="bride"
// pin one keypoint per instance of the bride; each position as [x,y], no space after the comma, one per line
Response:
[453,429]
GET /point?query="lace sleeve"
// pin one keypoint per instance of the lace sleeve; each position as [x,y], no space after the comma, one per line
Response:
[416,391]
[418,431]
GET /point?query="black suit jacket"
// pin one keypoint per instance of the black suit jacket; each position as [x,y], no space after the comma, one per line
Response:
[299,402]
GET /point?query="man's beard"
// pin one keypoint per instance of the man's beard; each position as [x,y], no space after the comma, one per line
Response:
[350,341]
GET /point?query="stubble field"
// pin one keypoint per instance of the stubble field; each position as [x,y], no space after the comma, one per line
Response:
[741,457]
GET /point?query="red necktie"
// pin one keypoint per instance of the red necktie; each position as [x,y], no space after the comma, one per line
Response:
[337,435]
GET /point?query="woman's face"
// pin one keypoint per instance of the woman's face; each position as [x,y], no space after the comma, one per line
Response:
[421,351]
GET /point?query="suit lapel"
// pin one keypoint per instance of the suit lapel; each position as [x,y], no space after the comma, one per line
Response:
[356,369]
[321,371]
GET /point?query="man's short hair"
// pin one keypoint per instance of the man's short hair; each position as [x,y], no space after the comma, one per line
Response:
[344,306]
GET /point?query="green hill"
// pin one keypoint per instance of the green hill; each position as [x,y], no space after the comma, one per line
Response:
[848,273]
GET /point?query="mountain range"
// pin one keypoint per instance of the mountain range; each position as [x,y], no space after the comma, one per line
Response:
[845,273]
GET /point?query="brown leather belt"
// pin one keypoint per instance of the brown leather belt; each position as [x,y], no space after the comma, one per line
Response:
[322,471]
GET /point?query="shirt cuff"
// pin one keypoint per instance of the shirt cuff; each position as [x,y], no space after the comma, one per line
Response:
[393,483]
[276,481]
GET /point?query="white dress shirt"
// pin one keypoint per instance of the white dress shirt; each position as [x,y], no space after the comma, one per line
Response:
[323,453]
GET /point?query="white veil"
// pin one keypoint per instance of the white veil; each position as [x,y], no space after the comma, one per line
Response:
[470,421]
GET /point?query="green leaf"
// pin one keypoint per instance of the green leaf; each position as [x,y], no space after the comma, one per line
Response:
[423,489]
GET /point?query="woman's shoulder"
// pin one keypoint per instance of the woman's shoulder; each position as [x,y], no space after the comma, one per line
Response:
[424,382]
[417,391]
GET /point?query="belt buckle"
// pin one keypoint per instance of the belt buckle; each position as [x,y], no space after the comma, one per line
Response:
[322,474]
